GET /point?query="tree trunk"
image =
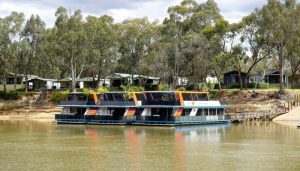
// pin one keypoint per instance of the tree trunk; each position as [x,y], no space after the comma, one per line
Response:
[73,72]
[15,83]
[4,84]
[26,83]
[219,82]
[247,81]
[281,81]
[240,80]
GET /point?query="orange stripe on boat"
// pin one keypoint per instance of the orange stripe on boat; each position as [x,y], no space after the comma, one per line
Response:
[92,111]
[131,111]
[179,111]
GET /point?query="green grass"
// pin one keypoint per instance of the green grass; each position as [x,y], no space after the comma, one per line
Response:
[10,87]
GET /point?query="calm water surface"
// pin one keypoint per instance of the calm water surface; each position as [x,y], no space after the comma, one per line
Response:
[28,145]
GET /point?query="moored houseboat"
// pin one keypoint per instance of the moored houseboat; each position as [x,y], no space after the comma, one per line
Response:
[143,108]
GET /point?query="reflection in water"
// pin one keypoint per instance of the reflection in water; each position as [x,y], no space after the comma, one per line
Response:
[250,146]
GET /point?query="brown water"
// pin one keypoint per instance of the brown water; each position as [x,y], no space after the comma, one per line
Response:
[44,146]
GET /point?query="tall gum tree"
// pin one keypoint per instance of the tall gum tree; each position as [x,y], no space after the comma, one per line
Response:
[276,19]
[71,40]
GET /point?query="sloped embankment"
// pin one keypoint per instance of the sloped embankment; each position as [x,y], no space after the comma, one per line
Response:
[249,100]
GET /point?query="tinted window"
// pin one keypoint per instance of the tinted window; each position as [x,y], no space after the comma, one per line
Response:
[140,96]
[202,97]
[119,97]
[187,96]
[81,97]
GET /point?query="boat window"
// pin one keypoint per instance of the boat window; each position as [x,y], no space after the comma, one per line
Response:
[212,111]
[119,97]
[195,97]
[186,112]
[220,111]
[206,112]
[81,97]
[187,96]
[169,97]
[140,96]
[157,96]
[70,97]
[108,97]
[199,112]
[202,97]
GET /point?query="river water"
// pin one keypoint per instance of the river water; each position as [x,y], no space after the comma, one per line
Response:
[26,145]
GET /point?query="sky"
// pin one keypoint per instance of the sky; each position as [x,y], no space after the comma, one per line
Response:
[232,10]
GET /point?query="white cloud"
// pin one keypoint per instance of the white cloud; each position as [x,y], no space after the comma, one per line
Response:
[232,10]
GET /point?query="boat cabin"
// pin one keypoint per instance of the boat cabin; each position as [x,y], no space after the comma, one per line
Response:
[161,98]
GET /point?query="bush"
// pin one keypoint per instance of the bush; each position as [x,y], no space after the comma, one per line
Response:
[102,90]
[191,86]
[235,85]
[163,87]
[213,94]
[12,95]
[263,85]
[56,97]
[211,86]
[253,85]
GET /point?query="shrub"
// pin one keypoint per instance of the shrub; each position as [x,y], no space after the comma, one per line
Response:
[102,90]
[56,97]
[163,87]
[12,95]
[86,91]
[253,85]
[211,86]
[213,94]
[235,85]
[191,86]
[263,85]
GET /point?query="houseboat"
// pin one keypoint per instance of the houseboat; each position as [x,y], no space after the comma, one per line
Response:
[142,108]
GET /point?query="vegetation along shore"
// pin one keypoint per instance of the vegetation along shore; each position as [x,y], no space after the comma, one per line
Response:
[247,65]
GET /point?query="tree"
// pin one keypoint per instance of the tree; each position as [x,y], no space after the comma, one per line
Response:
[71,42]
[10,29]
[293,51]
[32,35]
[255,36]
[101,45]
[136,40]
[276,19]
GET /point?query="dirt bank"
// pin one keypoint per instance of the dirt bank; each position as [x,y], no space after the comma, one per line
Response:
[249,100]
[26,109]
[41,113]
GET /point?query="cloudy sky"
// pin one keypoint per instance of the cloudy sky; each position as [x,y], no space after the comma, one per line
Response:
[232,10]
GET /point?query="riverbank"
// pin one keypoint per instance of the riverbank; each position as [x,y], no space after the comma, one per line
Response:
[40,113]
[239,101]
[292,116]
[25,109]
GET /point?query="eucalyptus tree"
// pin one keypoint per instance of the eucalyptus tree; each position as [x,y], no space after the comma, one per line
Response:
[10,31]
[293,44]
[49,64]
[136,38]
[71,42]
[276,17]
[182,29]
[33,34]
[220,44]
[101,46]
[255,36]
